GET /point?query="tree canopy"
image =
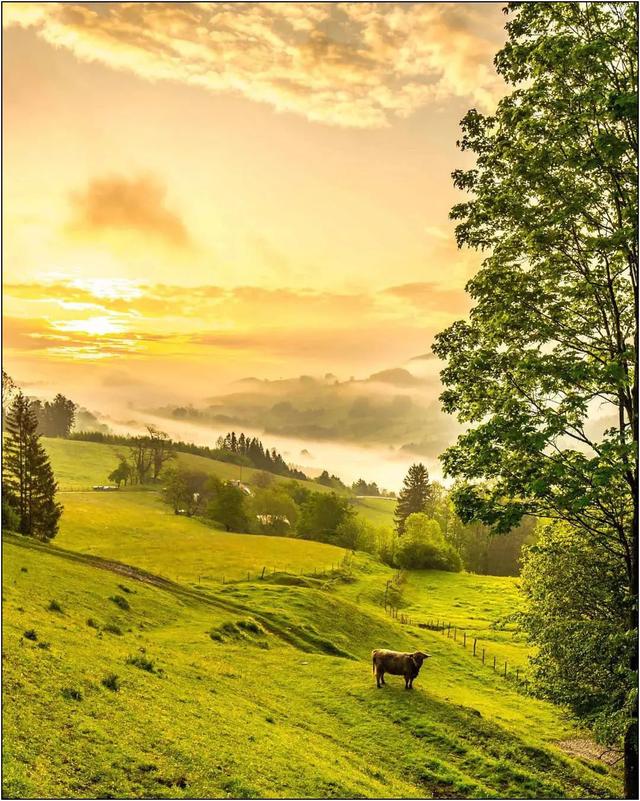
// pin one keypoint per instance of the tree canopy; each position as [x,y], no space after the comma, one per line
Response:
[543,373]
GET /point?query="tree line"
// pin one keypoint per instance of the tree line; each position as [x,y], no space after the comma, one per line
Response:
[256,455]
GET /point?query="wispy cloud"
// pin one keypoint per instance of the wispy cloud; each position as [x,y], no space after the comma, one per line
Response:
[166,320]
[348,64]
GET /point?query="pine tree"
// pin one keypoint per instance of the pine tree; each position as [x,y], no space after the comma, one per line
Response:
[30,487]
[413,496]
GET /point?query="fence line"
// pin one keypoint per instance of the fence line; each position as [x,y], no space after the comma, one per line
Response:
[506,671]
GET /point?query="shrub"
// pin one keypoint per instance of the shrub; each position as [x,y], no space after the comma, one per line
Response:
[249,624]
[44,645]
[10,517]
[92,623]
[30,634]
[422,546]
[54,606]
[126,589]
[111,682]
[142,662]
[118,600]
[111,628]
[23,570]
[71,694]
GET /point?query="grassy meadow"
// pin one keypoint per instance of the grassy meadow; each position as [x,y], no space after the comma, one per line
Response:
[80,465]
[169,684]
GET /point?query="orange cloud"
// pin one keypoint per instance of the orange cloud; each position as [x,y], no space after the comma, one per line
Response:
[348,64]
[136,204]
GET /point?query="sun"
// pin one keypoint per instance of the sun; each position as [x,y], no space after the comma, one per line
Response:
[96,326]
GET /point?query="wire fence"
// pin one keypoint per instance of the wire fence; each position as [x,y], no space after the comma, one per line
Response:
[477,647]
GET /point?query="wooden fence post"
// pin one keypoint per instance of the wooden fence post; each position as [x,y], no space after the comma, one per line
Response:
[464,639]
[505,668]
[263,569]
[517,674]
[483,656]
[455,633]
[248,576]
[474,645]
[494,663]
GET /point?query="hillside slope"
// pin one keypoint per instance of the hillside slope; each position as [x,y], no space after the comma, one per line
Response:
[80,465]
[264,708]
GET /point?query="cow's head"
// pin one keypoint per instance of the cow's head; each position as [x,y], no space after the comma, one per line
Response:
[419,657]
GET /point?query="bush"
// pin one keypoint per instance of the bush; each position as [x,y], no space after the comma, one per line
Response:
[423,547]
[125,589]
[142,662]
[54,606]
[10,518]
[111,628]
[118,600]
[92,623]
[71,694]
[44,645]
[30,634]
[111,682]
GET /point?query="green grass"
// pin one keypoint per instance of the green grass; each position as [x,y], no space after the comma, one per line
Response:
[80,465]
[378,511]
[136,685]
[265,711]
[139,529]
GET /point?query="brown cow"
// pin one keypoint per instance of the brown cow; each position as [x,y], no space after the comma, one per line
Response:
[397,664]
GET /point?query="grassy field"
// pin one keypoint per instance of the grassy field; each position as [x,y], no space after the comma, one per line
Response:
[258,686]
[264,708]
[139,529]
[79,465]
[378,511]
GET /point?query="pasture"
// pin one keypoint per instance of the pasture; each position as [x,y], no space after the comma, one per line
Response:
[144,701]
[172,684]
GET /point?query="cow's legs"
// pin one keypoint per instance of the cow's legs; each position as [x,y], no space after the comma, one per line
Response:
[379,677]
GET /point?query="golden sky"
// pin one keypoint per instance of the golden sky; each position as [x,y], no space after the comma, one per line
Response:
[199,192]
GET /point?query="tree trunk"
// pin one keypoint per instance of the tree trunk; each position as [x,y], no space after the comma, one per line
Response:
[631,789]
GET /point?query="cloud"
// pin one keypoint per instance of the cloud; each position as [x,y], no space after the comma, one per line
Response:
[347,64]
[427,296]
[116,203]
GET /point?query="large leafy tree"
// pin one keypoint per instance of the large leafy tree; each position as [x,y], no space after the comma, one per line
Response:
[414,495]
[543,373]
[29,485]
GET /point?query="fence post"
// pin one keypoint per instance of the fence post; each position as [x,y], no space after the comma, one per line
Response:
[483,656]
[494,663]
[464,639]
[263,569]
[449,631]
[505,668]
[455,633]
[248,576]
[223,579]
[518,674]
[474,645]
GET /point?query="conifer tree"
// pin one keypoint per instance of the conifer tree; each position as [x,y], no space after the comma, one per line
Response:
[413,496]
[29,485]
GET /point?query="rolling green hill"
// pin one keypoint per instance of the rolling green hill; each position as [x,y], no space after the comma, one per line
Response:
[378,511]
[260,686]
[138,528]
[264,708]
[80,465]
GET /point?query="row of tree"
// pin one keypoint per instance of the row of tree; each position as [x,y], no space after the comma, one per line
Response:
[361,487]
[252,449]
